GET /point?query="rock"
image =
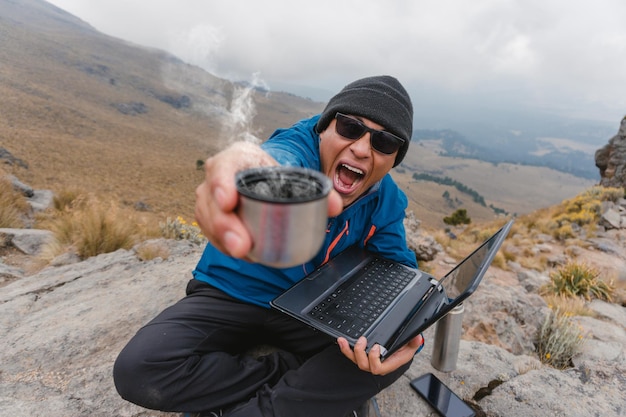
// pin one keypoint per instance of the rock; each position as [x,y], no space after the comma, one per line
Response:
[611,219]
[131,109]
[67,258]
[532,280]
[543,238]
[9,273]
[542,248]
[8,158]
[609,311]
[38,200]
[611,159]
[63,327]
[29,241]
[424,246]
[18,185]
[557,260]
[41,200]
[505,316]
[604,341]
[605,245]
[499,383]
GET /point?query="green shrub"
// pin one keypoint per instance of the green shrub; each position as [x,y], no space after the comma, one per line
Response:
[558,340]
[458,217]
[578,280]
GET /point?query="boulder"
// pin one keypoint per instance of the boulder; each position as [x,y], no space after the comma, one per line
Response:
[611,159]
[28,241]
[425,247]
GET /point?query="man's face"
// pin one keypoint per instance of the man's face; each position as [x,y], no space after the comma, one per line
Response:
[352,165]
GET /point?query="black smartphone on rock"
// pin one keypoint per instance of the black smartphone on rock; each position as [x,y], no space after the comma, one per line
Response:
[440,397]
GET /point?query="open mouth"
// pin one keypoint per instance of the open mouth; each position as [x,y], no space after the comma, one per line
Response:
[347,178]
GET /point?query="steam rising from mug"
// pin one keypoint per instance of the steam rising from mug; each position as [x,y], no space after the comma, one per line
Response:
[285,210]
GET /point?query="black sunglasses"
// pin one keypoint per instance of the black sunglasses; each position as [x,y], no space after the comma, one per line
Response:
[380,140]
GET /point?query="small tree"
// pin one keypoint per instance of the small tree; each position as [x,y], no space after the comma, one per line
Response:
[458,217]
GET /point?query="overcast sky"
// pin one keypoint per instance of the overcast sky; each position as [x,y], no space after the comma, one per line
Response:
[563,56]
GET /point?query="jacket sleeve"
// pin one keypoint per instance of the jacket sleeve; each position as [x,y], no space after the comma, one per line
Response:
[297,145]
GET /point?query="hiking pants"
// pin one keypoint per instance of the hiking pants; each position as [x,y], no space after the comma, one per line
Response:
[192,358]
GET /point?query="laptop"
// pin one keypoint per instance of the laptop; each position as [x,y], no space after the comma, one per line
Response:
[358,293]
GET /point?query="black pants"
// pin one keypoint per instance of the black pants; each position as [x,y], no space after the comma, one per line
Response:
[191,357]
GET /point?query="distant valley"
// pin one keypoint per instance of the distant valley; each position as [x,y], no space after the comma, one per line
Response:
[564,145]
[515,188]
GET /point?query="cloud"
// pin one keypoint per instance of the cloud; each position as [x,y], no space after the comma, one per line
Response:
[199,45]
[564,55]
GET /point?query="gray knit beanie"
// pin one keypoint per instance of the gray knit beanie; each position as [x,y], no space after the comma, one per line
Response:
[381,99]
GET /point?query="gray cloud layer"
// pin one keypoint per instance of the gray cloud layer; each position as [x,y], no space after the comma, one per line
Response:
[561,56]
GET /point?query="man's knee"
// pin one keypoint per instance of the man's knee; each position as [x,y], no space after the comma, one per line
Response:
[133,381]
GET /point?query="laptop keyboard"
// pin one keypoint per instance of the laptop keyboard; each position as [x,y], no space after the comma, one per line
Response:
[357,303]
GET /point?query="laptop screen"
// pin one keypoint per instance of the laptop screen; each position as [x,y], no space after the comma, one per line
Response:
[458,284]
[461,278]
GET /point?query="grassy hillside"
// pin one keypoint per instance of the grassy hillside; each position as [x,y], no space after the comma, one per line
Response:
[88,111]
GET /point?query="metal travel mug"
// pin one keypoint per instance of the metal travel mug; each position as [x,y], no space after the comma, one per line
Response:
[447,340]
[285,210]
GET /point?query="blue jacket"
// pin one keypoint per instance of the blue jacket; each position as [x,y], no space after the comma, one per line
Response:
[374,220]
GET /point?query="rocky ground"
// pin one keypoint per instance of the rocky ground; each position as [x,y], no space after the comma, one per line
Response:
[62,327]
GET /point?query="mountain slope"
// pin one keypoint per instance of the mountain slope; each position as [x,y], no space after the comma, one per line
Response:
[86,110]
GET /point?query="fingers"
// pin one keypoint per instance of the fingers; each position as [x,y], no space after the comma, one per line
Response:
[401,357]
[217,198]
[358,356]
[361,357]
[344,347]
[371,362]
[222,227]
[335,203]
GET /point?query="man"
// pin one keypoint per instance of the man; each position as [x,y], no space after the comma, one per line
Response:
[192,357]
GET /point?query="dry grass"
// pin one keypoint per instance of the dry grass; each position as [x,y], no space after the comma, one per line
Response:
[468,238]
[150,250]
[13,206]
[88,227]
[570,306]
[619,293]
